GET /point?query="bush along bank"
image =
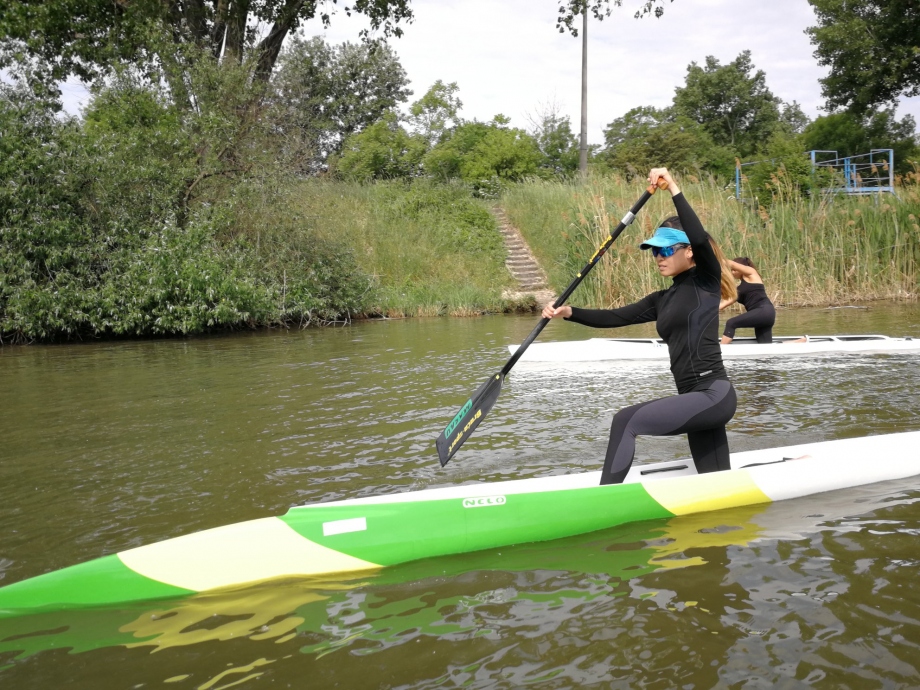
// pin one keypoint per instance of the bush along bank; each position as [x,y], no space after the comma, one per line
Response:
[121,226]
[149,219]
[91,244]
[294,253]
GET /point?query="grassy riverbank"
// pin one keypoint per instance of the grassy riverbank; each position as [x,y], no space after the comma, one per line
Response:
[277,251]
[821,251]
[426,249]
[293,252]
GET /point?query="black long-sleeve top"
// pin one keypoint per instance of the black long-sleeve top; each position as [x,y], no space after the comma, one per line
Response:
[753,296]
[686,314]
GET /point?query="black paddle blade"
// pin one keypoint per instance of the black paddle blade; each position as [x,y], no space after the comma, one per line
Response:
[468,418]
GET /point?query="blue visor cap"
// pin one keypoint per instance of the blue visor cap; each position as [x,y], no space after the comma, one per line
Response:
[665,237]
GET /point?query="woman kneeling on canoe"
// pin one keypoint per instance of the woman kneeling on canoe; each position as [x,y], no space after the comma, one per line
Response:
[687,316]
[760,314]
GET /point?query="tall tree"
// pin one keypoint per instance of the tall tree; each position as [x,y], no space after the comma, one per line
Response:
[731,101]
[482,152]
[86,37]
[382,151]
[645,137]
[323,93]
[553,133]
[435,112]
[872,48]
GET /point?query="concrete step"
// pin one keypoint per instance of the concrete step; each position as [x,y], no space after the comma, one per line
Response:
[527,275]
[519,261]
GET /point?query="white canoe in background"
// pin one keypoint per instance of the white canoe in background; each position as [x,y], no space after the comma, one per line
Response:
[603,349]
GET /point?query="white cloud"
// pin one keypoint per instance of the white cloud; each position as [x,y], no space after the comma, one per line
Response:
[508,57]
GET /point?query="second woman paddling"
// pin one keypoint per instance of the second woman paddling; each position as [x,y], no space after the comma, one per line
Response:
[687,319]
[760,313]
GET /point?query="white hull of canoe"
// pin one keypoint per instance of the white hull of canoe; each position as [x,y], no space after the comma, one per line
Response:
[782,472]
[632,349]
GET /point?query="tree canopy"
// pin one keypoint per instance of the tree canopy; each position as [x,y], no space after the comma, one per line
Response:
[645,137]
[322,94]
[558,144]
[86,38]
[385,150]
[872,48]
[732,102]
[437,111]
[570,10]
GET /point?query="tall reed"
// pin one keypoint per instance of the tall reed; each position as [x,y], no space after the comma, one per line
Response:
[810,251]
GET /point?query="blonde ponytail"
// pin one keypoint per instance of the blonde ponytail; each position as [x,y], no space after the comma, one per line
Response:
[727,283]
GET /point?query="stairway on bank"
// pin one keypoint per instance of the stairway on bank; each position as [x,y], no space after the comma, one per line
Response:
[524,268]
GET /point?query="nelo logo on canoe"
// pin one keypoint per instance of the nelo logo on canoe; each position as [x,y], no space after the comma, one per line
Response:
[484,501]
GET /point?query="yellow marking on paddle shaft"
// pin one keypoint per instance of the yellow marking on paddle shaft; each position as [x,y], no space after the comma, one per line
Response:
[599,250]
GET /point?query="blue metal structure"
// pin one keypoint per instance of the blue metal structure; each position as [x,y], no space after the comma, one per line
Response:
[864,173]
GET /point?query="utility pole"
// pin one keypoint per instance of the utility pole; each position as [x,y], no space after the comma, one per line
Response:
[583,149]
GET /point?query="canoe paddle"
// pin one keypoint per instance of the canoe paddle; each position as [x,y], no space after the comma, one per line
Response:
[464,423]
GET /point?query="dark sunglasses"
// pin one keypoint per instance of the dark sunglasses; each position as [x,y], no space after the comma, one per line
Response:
[667,251]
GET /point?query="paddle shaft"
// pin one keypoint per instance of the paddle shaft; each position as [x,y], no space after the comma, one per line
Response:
[477,407]
[627,219]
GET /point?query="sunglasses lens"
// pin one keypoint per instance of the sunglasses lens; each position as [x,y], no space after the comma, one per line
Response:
[667,251]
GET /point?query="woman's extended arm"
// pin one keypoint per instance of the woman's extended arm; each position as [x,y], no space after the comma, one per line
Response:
[643,311]
[750,274]
[725,303]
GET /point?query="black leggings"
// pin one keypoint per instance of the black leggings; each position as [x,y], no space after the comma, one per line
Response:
[760,319]
[701,414]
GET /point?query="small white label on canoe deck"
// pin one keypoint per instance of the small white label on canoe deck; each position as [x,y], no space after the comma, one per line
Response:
[483,501]
[344,526]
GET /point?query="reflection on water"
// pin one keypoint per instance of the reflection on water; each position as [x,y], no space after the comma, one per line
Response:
[114,445]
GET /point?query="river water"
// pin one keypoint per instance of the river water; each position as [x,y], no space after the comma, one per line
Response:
[108,446]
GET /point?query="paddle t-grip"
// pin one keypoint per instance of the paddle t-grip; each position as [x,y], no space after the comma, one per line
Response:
[662,184]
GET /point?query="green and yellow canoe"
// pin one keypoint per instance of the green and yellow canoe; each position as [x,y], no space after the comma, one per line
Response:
[370,533]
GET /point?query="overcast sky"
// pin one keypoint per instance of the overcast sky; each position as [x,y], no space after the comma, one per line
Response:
[508,57]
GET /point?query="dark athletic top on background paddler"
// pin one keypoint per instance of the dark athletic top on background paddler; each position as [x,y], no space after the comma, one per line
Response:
[752,295]
[687,313]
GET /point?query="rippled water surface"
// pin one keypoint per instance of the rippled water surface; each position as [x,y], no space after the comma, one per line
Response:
[106,446]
